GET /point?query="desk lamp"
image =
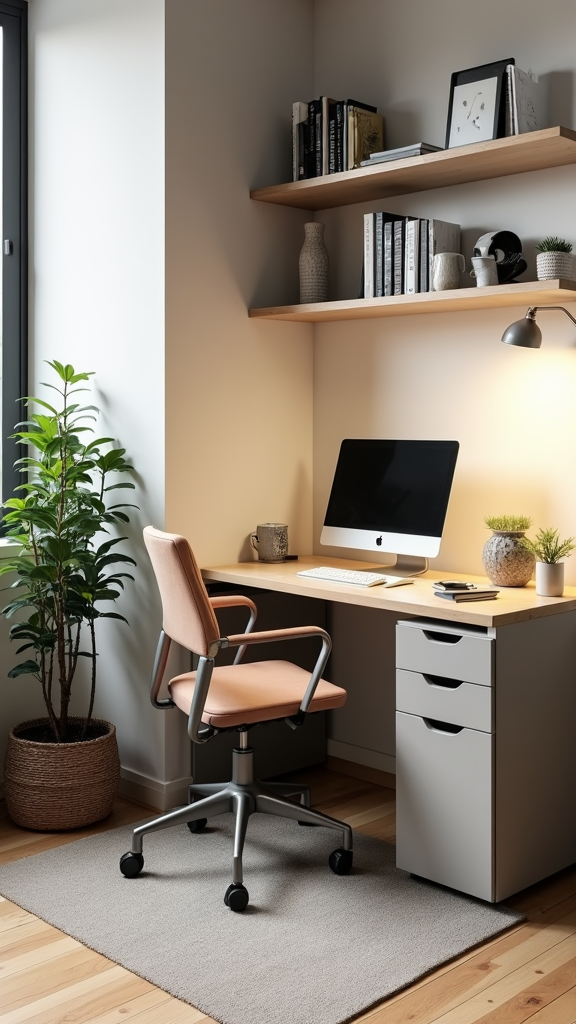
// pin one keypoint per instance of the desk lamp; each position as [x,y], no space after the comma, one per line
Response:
[526,332]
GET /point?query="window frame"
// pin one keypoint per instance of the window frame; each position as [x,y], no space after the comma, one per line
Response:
[14,22]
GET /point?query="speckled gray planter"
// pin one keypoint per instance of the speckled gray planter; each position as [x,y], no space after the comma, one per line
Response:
[506,561]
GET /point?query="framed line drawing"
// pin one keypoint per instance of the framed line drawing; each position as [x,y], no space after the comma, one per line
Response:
[477,106]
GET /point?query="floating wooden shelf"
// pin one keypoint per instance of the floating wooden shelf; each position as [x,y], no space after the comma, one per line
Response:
[529,293]
[534,151]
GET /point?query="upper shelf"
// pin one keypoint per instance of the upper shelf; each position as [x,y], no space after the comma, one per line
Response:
[551,147]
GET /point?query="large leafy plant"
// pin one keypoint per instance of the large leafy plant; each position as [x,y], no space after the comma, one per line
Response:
[65,571]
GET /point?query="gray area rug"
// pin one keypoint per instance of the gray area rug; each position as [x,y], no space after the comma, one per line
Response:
[311,948]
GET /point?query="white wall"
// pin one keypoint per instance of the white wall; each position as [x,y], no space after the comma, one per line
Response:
[239,393]
[97,293]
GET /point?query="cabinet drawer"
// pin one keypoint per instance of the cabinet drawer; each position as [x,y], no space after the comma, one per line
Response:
[448,700]
[444,814]
[429,649]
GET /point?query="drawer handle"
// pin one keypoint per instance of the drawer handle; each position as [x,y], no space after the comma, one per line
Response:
[444,727]
[442,638]
[444,684]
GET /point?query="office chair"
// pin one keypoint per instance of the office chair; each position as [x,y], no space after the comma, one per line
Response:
[236,698]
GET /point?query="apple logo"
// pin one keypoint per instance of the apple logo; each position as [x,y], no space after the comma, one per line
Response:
[379,541]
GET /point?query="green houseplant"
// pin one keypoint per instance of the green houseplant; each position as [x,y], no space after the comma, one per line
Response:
[548,550]
[65,577]
[506,556]
[553,258]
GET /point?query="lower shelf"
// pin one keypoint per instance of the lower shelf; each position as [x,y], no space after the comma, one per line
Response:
[528,293]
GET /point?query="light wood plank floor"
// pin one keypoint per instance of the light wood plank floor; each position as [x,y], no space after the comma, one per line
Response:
[529,974]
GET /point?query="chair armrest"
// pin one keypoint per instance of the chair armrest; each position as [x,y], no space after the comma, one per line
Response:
[294,633]
[233,601]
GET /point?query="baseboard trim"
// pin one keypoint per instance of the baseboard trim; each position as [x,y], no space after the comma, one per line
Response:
[361,771]
[145,790]
[362,755]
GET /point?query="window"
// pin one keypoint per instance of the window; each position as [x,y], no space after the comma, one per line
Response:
[14,235]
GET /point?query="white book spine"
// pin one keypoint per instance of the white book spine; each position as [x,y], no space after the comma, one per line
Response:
[368,255]
[411,257]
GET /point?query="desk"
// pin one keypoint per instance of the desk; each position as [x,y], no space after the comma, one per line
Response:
[484,805]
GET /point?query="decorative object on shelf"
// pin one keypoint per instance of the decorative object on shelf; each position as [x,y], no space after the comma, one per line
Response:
[507,557]
[446,269]
[477,105]
[484,270]
[553,259]
[61,577]
[270,541]
[506,248]
[548,550]
[526,333]
[313,264]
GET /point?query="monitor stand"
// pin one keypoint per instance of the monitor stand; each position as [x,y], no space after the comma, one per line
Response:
[405,565]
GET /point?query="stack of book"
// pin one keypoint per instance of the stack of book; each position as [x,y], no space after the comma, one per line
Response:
[399,252]
[454,590]
[333,135]
[416,149]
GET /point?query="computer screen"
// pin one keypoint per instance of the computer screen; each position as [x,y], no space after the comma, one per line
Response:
[390,496]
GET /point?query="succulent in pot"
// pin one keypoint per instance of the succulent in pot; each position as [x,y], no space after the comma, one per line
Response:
[507,558]
[553,258]
[548,550]
[66,575]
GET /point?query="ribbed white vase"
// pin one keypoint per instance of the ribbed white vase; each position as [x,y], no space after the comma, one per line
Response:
[313,264]
[553,265]
[550,579]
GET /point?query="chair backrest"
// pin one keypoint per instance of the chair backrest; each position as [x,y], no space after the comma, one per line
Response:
[188,616]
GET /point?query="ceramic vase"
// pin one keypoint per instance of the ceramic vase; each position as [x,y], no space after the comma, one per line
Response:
[553,265]
[550,579]
[507,561]
[313,264]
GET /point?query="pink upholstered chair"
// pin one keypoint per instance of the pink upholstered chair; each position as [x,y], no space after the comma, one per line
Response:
[231,697]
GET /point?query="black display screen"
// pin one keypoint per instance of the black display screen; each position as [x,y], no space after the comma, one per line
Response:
[392,486]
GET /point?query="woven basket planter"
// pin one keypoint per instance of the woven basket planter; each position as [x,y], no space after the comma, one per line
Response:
[53,787]
[553,265]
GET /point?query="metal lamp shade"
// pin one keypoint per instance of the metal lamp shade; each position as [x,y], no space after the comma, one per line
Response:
[524,333]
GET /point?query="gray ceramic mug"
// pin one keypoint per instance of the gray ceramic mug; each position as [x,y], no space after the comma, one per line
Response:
[270,541]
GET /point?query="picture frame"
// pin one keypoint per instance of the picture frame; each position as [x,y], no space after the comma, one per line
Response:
[477,104]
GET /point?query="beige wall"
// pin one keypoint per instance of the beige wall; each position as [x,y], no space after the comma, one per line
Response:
[239,393]
[513,411]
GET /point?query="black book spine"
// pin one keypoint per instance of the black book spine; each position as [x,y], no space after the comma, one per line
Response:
[313,109]
[340,137]
[332,132]
[398,257]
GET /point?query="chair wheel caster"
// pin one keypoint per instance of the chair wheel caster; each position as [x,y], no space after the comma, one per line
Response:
[197,826]
[236,897]
[340,861]
[131,864]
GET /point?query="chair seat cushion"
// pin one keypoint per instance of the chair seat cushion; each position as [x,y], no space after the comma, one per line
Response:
[254,692]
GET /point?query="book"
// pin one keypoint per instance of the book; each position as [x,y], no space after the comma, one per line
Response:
[467,595]
[411,255]
[525,102]
[378,255]
[442,237]
[423,271]
[346,104]
[299,120]
[388,258]
[368,255]
[418,149]
[398,256]
[326,105]
[365,134]
[340,136]
[314,139]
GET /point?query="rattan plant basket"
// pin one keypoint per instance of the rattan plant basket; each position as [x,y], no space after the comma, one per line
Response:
[53,787]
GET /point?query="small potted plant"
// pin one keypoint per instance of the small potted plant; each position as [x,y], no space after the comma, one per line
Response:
[507,557]
[548,550]
[553,259]
[62,771]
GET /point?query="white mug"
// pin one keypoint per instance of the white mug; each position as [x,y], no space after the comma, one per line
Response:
[270,541]
[484,270]
[446,271]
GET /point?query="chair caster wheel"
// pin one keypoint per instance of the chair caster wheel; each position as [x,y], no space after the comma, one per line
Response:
[131,864]
[197,826]
[340,861]
[236,897]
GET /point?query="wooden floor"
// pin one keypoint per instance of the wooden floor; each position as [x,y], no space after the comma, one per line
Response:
[529,974]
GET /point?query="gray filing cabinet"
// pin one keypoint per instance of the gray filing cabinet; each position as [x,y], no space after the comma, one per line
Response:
[484,746]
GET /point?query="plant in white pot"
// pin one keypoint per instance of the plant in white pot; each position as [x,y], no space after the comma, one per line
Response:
[548,550]
[61,771]
[553,259]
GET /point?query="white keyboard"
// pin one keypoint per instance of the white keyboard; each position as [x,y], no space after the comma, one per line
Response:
[355,577]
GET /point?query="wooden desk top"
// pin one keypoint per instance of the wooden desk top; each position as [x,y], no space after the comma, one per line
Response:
[513,604]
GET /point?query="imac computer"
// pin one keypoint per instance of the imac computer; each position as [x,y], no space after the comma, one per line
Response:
[391,496]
